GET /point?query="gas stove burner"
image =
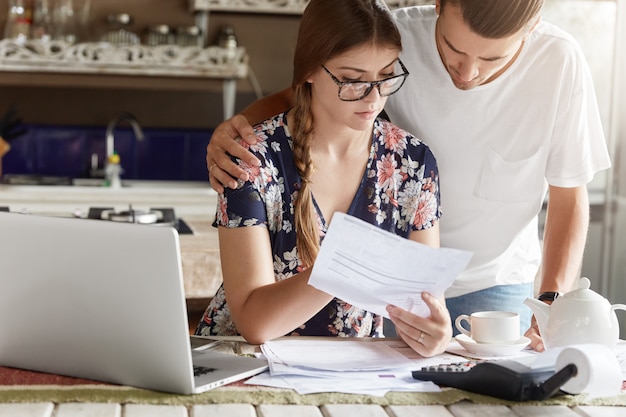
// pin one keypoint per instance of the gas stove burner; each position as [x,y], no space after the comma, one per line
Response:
[153,217]
[132,216]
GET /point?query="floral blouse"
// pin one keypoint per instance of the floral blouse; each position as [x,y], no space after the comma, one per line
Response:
[398,193]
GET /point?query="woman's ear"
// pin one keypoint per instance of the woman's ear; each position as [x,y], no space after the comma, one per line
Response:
[309,79]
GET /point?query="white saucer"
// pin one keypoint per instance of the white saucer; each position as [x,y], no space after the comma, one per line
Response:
[492,349]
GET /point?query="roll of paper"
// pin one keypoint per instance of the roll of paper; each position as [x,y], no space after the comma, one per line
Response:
[599,373]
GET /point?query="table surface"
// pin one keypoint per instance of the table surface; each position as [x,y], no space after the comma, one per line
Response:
[462,409]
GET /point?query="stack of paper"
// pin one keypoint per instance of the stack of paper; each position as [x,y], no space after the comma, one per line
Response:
[374,367]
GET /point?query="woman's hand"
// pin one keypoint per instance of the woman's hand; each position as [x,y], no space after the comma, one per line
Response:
[222,170]
[427,336]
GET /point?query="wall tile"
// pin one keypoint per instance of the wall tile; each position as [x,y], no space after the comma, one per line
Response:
[160,156]
[196,169]
[66,151]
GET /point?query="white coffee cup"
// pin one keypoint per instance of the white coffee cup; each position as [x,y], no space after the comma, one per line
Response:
[495,327]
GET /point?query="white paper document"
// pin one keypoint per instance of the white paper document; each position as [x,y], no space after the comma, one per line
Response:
[361,366]
[331,355]
[363,384]
[370,268]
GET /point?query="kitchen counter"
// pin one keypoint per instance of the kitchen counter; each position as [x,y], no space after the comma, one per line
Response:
[193,202]
[200,255]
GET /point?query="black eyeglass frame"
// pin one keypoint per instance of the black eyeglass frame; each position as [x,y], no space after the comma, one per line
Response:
[372,84]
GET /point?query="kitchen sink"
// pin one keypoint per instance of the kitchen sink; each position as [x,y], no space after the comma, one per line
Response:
[98,182]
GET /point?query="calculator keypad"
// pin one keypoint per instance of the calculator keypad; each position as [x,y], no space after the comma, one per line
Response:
[452,367]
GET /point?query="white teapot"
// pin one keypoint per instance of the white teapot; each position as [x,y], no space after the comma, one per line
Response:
[579,316]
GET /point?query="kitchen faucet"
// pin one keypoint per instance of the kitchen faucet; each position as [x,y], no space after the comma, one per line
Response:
[112,167]
[110,141]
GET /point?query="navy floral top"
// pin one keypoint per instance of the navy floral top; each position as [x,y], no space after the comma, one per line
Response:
[399,193]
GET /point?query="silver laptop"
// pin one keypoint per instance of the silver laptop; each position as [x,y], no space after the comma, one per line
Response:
[103,301]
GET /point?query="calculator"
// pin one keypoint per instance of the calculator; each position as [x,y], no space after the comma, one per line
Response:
[506,379]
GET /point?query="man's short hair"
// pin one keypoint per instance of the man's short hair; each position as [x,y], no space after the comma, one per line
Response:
[496,19]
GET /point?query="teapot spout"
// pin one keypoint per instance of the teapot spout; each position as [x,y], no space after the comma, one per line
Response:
[541,312]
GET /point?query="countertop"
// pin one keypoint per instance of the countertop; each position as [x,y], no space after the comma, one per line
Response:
[202,270]
[191,200]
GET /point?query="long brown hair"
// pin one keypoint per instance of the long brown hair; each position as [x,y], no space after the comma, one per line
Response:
[327,29]
[496,19]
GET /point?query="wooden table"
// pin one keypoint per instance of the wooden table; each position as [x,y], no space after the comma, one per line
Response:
[462,409]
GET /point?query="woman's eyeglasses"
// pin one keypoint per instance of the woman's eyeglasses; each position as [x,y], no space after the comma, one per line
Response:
[358,90]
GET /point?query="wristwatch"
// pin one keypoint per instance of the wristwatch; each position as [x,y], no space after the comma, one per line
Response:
[548,296]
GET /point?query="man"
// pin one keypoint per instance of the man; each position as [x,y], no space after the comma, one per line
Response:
[507,105]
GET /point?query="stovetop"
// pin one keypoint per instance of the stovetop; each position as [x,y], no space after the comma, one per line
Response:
[164,217]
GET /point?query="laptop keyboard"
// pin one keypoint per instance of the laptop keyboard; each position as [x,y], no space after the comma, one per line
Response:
[202,370]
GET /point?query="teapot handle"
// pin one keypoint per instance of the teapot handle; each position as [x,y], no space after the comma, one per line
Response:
[618,307]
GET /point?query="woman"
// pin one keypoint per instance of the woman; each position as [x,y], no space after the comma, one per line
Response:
[329,153]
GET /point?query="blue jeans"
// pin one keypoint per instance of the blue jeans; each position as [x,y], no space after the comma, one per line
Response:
[501,297]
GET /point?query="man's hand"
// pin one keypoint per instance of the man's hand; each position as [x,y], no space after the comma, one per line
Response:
[427,336]
[535,338]
[222,170]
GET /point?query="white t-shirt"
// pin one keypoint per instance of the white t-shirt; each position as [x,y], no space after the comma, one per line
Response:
[499,145]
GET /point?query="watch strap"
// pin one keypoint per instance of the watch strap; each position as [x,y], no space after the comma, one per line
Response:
[548,296]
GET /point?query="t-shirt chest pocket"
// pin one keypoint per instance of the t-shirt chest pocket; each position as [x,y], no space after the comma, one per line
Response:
[510,181]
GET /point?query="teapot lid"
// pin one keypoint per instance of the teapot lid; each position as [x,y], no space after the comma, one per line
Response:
[583,292]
